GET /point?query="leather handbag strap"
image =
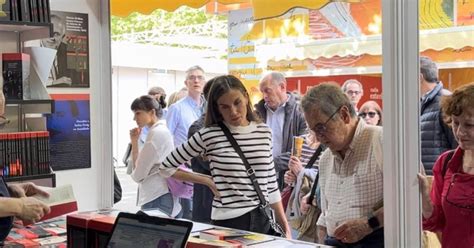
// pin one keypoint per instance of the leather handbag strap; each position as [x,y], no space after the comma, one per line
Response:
[314,157]
[315,182]
[248,168]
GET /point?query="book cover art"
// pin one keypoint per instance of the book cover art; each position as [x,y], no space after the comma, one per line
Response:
[222,234]
[194,242]
[251,239]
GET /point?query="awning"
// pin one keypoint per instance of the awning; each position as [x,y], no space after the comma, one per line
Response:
[437,39]
[262,9]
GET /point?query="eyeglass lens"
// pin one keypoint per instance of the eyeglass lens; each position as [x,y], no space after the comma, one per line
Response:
[370,114]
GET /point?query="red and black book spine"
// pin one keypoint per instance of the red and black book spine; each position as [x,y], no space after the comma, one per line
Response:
[47,11]
[33,11]
[39,6]
[25,15]
[34,153]
[14,10]
[2,154]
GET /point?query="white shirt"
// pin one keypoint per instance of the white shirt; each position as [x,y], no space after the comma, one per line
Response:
[159,143]
[352,186]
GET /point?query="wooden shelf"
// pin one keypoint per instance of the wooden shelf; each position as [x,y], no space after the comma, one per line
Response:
[45,106]
[10,26]
[28,30]
[51,177]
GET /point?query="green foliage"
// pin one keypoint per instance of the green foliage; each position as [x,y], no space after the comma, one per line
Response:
[160,19]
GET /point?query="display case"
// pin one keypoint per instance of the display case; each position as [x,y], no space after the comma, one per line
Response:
[25,115]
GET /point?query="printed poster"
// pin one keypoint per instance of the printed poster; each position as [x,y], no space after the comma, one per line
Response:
[69,130]
[71,41]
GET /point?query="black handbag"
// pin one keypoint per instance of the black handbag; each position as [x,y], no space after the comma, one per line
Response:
[264,207]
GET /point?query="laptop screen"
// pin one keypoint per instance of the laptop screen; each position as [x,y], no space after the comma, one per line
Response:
[131,230]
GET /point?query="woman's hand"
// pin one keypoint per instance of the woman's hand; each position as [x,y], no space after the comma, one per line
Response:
[212,186]
[295,165]
[425,189]
[289,177]
[135,134]
[304,206]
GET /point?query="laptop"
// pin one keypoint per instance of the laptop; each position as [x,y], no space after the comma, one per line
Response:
[143,231]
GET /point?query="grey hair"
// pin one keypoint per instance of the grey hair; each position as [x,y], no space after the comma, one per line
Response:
[194,68]
[276,77]
[428,69]
[351,81]
[327,97]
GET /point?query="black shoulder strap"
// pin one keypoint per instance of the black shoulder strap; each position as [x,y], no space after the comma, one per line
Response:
[314,157]
[250,171]
[316,180]
[446,161]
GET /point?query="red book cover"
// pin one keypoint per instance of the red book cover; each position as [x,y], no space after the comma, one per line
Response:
[194,242]
[27,243]
[103,224]
[81,219]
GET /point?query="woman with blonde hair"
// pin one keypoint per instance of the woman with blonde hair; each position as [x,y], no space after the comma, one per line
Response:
[371,113]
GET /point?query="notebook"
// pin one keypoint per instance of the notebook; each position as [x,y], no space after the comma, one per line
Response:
[143,231]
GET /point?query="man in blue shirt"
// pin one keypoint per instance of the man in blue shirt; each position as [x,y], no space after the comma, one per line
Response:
[183,113]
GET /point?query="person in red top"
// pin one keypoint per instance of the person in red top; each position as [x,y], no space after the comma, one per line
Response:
[448,207]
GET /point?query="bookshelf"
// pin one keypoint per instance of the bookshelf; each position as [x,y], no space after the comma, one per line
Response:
[46,180]
[26,115]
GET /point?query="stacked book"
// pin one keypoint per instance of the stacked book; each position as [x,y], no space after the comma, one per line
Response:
[35,11]
[24,154]
[51,233]
[226,238]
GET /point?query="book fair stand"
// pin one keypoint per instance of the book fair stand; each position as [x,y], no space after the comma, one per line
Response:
[310,41]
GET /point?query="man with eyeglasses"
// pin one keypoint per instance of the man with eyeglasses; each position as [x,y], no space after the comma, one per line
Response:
[279,109]
[351,170]
[354,90]
[436,137]
[183,113]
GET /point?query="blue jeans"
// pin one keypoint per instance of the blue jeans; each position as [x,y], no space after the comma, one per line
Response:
[187,208]
[163,203]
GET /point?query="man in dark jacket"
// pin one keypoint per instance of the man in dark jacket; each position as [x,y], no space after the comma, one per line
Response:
[203,196]
[436,136]
[280,111]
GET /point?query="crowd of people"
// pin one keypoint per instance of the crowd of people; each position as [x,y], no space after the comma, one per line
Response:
[186,163]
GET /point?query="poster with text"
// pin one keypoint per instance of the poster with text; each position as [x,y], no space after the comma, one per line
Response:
[71,41]
[69,130]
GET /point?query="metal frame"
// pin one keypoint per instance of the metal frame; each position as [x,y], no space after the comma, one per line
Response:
[105,105]
[401,147]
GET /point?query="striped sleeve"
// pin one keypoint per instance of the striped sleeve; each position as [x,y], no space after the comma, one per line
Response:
[183,153]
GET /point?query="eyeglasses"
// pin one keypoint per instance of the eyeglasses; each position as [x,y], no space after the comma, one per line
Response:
[192,77]
[370,114]
[321,128]
[353,92]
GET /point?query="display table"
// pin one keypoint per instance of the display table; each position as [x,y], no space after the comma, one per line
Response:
[93,228]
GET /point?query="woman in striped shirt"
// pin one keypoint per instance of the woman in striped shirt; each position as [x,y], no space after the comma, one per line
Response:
[236,202]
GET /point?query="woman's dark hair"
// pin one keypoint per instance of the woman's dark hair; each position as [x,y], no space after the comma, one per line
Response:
[220,86]
[148,103]
[162,101]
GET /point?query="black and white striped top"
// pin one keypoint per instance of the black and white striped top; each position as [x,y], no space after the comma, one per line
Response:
[238,195]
